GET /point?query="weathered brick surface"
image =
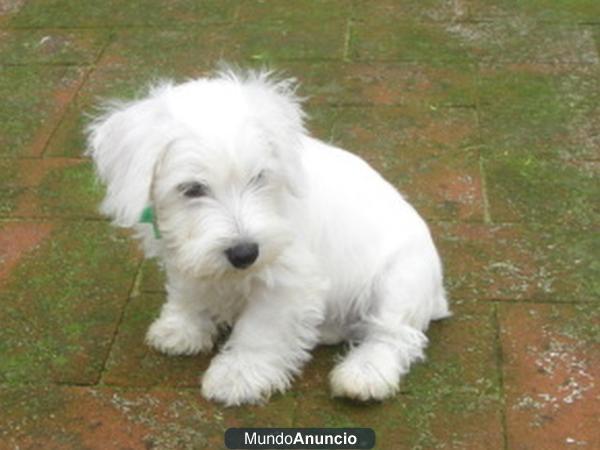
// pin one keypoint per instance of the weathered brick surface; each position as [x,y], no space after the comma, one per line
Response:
[569,11]
[551,356]
[406,84]
[513,262]
[388,38]
[72,13]
[424,10]
[51,46]
[52,187]
[540,109]
[153,277]
[525,41]
[62,302]
[35,98]
[452,400]
[540,129]
[8,9]
[280,30]
[133,363]
[60,417]
[484,113]
[16,241]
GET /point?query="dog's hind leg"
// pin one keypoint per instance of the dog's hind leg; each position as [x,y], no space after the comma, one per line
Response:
[391,335]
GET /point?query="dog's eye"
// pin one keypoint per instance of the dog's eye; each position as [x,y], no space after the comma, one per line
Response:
[193,190]
[259,178]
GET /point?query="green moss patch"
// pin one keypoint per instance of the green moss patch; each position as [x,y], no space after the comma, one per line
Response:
[518,262]
[529,188]
[402,39]
[452,397]
[62,304]
[70,191]
[133,363]
[540,10]
[51,46]
[33,102]
[72,13]
[546,110]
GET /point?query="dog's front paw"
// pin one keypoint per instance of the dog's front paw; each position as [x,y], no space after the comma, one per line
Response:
[235,380]
[176,336]
[362,380]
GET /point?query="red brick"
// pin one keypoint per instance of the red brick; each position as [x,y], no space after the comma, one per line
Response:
[51,46]
[153,277]
[9,8]
[384,84]
[425,10]
[18,239]
[133,363]
[551,356]
[516,262]
[36,99]
[52,187]
[106,418]
[61,304]
[452,400]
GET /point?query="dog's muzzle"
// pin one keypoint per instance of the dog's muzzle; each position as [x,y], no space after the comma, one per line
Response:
[242,255]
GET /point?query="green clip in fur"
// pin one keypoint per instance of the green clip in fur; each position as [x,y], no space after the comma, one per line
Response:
[149,217]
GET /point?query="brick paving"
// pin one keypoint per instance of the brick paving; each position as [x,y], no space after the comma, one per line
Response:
[485,113]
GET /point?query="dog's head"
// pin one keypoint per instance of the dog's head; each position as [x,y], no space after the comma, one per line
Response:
[216,158]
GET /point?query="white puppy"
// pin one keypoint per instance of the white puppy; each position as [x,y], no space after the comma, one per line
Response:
[259,226]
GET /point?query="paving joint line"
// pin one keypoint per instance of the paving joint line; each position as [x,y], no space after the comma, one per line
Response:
[50,157]
[443,106]
[45,64]
[501,223]
[133,292]
[224,23]
[535,301]
[74,384]
[347,40]
[487,218]
[236,16]
[120,27]
[500,375]
[89,70]
[63,113]
[66,219]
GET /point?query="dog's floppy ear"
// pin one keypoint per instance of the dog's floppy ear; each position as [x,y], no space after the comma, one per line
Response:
[280,112]
[125,143]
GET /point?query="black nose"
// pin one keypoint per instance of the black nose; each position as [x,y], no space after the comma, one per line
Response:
[242,255]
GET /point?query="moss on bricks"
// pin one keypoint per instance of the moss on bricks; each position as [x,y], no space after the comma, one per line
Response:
[73,13]
[71,191]
[133,363]
[389,39]
[62,304]
[453,397]
[568,11]
[529,188]
[548,110]
[51,46]
[33,101]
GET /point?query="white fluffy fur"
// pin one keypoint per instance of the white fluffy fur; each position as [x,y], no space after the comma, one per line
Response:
[343,257]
